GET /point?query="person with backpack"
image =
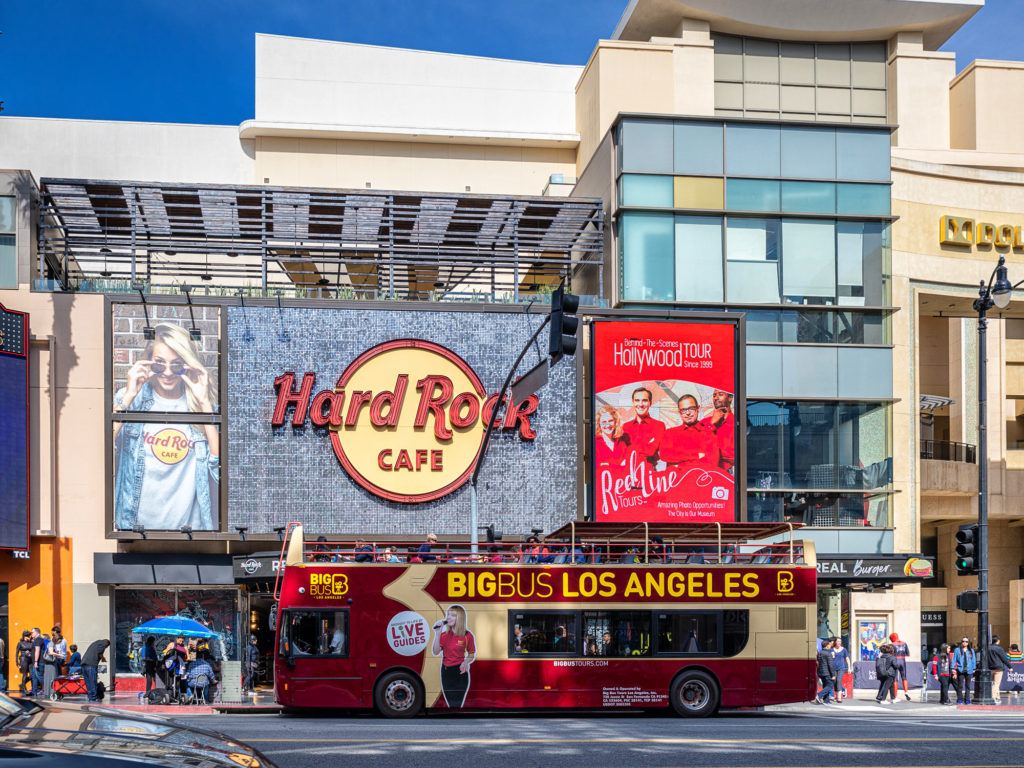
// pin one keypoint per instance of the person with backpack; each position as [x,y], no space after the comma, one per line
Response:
[885,670]
[943,672]
[998,663]
[965,662]
[826,673]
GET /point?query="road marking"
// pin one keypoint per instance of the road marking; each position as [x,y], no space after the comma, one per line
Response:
[629,740]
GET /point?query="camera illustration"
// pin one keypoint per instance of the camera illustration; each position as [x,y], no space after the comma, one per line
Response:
[720,492]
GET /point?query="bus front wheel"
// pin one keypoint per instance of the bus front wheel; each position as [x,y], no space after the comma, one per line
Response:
[399,694]
[694,694]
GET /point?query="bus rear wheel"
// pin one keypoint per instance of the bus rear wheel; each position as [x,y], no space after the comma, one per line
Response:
[399,694]
[694,694]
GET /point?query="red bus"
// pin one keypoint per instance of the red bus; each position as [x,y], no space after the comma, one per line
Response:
[687,616]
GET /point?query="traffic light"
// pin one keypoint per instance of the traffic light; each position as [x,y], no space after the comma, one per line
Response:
[967,556]
[969,602]
[563,324]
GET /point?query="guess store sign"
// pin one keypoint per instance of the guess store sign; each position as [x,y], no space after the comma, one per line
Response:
[405,419]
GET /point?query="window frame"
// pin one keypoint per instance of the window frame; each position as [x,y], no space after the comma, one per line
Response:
[512,621]
[285,636]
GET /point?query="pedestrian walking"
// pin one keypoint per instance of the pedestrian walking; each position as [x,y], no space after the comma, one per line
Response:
[885,670]
[942,671]
[900,652]
[841,664]
[90,663]
[826,673]
[53,659]
[23,658]
[998,663]
[965,662]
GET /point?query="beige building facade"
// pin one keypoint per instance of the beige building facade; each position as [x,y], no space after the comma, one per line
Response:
[437,124]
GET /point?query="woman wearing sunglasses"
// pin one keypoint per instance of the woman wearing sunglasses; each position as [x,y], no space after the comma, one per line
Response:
[164,469]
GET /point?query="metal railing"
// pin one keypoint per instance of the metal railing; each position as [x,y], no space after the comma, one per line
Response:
[947,450]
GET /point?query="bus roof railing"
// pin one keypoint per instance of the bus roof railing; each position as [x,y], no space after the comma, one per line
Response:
[575,544]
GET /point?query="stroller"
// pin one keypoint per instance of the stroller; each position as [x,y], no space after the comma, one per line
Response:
[169,684]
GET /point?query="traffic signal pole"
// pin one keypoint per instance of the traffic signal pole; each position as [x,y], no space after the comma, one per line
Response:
[984,672]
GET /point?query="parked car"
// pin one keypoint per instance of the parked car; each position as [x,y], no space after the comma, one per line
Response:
[43,734]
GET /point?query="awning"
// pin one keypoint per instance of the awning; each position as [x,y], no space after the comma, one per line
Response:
[931,402]
[326,243]
[161,568]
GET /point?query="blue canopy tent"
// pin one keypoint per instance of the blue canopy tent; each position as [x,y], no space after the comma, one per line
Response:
[174,625]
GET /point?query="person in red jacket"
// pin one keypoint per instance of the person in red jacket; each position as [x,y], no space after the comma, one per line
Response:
[722,424]
[644,431]
[690,443]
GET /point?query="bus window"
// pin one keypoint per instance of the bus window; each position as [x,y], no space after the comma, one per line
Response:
[543,632]
[318,633]
[617,633]
[708,633]
[688,633]
[735,631]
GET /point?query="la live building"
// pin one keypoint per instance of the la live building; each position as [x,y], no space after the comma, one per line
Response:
[308,316]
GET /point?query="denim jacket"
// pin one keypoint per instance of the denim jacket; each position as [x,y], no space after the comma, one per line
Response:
[965,661]
[131,465]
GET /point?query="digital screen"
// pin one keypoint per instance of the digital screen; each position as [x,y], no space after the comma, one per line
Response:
[14,417]
[664,445]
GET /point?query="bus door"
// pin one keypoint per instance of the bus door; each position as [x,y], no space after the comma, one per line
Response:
[315,647]
[783,666]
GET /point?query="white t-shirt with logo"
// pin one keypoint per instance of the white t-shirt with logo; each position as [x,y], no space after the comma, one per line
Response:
[168,499]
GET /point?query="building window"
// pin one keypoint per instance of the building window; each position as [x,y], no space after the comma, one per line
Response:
[826,462]
[800,81]
[8,243]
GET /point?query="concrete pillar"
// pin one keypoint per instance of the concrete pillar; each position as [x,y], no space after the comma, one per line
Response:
[919,92]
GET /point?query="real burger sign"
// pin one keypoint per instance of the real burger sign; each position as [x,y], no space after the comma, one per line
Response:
[405,419]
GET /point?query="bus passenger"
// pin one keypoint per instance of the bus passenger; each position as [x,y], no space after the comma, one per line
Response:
[424,550]
[458,645]
[607,645]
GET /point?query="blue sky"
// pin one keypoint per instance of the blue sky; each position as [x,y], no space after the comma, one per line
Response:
[192,61]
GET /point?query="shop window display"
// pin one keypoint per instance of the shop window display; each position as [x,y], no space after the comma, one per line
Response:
[216,609]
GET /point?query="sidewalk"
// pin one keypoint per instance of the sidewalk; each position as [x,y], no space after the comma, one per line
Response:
[262,701]
[863,701]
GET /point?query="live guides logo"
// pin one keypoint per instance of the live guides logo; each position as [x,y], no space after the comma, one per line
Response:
[407,633]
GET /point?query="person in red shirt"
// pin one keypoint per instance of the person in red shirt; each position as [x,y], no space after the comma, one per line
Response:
[690,443]
[722,424]
[458,646]
[644,432]
[612,447]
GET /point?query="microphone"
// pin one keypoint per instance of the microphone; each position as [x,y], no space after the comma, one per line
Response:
[439,624]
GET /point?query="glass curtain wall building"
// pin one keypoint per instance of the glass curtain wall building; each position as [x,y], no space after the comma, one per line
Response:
[788,222]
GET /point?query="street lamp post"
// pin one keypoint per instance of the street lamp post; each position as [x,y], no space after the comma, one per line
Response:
[996,294]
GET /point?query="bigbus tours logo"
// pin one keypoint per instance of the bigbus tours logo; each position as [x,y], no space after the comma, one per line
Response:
[405,419]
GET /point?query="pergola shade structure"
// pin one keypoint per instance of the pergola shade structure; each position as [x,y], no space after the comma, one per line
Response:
[317,242]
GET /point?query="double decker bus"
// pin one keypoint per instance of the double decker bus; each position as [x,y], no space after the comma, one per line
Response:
[602,615]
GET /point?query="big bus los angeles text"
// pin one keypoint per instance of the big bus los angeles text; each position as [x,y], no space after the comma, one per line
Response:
[699,620]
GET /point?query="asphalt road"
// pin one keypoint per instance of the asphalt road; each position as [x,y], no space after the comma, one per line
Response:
[820,738]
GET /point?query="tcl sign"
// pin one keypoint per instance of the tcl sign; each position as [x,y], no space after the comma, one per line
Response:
[405,419]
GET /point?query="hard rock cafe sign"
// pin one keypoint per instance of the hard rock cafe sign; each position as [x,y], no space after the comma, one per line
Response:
[405,419]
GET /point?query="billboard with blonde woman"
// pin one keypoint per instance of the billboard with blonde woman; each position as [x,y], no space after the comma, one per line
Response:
[166,467]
